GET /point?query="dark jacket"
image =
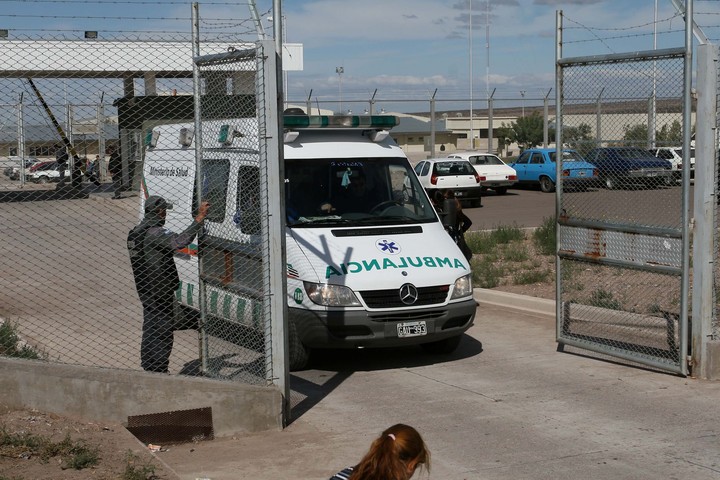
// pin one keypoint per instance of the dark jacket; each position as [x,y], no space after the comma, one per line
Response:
[156,277]
[115,163]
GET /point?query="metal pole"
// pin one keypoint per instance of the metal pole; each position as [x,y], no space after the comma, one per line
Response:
[470,41]
[372,102]
[202,334]
[687,125]
[490,122]
[598,118]
[546,120]
[432,124]
[558,166]
[308,104]
[21,139]
[273,166]
[101,169]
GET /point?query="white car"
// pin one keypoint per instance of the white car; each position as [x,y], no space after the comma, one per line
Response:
[674,156]
[45,172]
[456,174]
[495,174]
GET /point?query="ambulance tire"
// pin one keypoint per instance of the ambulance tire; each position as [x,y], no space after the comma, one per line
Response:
[442,347]
[299,354]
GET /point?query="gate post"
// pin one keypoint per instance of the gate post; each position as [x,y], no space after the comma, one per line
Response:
[703,348]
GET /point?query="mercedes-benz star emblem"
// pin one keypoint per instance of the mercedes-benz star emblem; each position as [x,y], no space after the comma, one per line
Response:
[408,294]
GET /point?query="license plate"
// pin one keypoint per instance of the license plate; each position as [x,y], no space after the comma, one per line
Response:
[411,329]
[459,194]
[582,174]
[651,174]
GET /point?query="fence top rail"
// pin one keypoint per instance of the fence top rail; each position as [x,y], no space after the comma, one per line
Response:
[639,56]
[231,56]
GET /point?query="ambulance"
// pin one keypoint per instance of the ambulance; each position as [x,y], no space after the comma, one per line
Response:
[369,262]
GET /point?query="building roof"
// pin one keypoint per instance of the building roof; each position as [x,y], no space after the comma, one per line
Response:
[414,125]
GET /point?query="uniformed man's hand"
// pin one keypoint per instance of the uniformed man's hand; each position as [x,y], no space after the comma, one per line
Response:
[202,211]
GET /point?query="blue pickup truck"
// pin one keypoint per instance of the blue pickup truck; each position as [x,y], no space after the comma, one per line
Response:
[620,167]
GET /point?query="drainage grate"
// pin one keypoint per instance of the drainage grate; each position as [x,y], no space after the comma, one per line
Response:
[180,426]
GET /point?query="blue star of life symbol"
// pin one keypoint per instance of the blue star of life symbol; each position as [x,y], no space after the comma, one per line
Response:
[388,246]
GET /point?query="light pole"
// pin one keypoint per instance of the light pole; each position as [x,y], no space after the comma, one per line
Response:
[340,71]
[522,94]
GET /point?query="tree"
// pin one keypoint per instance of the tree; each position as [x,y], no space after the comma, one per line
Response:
[636,135]
[505,136]
[528,130]
[670,136]
[579,138]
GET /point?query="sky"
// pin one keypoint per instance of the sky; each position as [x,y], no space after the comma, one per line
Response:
[399,50]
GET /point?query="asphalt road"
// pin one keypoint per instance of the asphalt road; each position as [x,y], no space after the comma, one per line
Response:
[527,207]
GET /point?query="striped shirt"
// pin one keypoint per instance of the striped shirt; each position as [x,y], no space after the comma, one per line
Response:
[343,475]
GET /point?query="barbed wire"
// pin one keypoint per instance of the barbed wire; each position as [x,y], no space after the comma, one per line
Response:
[585,27]
[616,37]
[126,2]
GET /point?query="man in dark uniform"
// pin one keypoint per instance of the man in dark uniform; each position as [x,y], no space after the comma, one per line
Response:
[151,249]
[116,171]
[61,157]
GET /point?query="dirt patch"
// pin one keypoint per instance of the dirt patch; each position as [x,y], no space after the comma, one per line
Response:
[41,446]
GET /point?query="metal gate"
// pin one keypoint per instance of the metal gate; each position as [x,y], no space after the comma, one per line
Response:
[622,239]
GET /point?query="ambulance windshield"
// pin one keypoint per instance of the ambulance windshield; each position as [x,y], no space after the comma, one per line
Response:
[354,192]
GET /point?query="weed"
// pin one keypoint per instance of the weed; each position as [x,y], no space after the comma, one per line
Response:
[531,276]
[505,234]
[604,299]
[486,274]
[515,253]
[544,236]
[74,454]
[11,346]
[137,470]
[481,242]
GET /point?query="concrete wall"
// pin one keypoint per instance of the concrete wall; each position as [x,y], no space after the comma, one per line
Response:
[112,395]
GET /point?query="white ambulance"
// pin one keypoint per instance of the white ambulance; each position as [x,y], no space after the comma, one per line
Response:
[369,263]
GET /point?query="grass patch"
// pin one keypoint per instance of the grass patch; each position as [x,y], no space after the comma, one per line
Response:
[544,236]
[604,299]
[516,253]
[528,277]
[486,274]
[73,454]
[138,470]
[11,346]
[505,234]
[481,242]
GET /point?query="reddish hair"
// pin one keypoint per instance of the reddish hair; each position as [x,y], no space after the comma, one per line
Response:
[391,454]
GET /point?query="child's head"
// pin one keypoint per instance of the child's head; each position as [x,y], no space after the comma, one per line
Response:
[395,455]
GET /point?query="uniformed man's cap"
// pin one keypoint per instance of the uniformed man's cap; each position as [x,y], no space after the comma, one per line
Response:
[155,203]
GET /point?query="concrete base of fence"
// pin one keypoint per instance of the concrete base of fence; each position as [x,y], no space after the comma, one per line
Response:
[713,360]
[112,395]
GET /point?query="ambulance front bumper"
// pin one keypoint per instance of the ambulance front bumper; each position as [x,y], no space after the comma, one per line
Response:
[390,328]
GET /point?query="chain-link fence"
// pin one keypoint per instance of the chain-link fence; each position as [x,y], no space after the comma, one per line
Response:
[102,135]
[620,266]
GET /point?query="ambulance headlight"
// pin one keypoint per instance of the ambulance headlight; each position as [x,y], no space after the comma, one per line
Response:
[462,287]
[331,295]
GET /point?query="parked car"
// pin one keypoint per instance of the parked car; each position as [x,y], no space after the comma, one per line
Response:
[497,175]
[536,166]
[450,173]
[620,167]
[45,172]
[674,156]
[13,169]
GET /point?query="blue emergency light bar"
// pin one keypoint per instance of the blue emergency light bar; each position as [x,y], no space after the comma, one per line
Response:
[340,121]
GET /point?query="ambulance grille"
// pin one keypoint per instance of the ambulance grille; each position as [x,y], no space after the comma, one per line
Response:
[434,295]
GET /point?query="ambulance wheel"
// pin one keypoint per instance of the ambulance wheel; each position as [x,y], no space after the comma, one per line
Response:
[299,354]
[445,346]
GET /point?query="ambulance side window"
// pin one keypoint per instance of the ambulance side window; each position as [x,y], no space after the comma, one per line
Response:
[214,188]
[248,200]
